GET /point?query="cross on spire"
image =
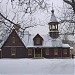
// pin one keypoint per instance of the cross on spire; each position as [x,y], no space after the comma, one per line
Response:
[52,8]
[52,5]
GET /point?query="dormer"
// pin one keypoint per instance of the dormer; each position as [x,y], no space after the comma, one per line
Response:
[38,40]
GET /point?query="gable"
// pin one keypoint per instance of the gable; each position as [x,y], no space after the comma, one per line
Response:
[37,36]
[38,40]
[13,40]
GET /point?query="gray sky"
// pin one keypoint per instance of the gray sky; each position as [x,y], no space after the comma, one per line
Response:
[57,4]
[40,15]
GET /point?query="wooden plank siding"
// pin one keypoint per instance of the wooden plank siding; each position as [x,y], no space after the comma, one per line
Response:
[51,53]
[68,52]
[13,43]
[0,54]
[60,53]
[32,55]
[13,47]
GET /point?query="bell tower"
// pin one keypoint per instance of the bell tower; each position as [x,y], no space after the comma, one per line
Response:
[53,26]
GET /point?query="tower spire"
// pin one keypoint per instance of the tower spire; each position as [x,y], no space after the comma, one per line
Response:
[52,5]
[53,17]
[53,25]
[52,8]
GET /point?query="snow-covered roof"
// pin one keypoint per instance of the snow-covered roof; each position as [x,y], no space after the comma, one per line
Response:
[53,18]
[71,48]
[3,40]
[25,39]
[65,45]
[47,42]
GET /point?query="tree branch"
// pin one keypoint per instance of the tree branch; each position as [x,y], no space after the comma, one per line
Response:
[7,19]
[71,3]
[15,25]
[68,2]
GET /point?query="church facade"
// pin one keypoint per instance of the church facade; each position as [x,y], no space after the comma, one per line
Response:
[37,46]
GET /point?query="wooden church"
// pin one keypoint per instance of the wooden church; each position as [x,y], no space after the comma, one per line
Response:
[36,46]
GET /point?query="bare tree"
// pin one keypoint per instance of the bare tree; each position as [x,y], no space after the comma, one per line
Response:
[68,18]
[19,13]
[71,3]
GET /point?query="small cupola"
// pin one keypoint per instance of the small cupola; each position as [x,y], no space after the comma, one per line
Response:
[53,26]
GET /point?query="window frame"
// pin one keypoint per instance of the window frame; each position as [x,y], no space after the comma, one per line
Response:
[13,40]
[37,41]
[29,51]
[65,51]
[47,51]
[55,51]
[13,51]
[53,26]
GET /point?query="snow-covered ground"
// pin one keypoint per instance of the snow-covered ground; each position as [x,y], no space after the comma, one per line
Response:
[37,66]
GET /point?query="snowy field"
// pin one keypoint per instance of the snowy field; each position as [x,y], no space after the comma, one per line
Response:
[37,66]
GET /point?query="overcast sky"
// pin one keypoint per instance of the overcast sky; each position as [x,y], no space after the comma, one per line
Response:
[43,16]
[57,4]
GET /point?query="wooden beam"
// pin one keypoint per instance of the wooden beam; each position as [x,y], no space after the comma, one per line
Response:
[34,52]
[41,52]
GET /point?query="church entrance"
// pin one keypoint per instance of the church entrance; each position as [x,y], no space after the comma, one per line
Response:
[37,52]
